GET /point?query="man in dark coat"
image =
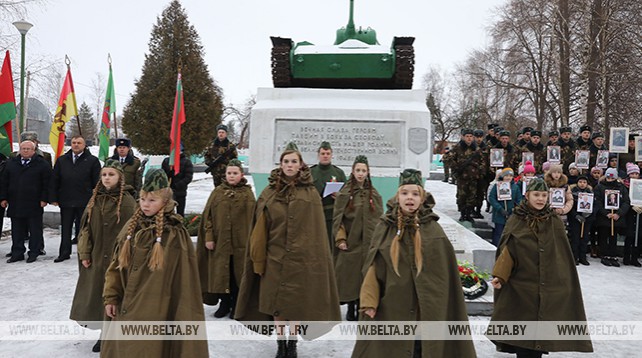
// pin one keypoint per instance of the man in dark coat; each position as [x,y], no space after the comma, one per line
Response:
[219,154]
[24,188]
[33,136]
[130,163]
[567,148]
[526,138]
[180,181]
[536,147]
[75,175]
[553,136]
[490,136]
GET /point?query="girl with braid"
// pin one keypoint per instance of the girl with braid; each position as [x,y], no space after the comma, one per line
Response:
[411,275]
[357,207]
[153,277]
[109,208]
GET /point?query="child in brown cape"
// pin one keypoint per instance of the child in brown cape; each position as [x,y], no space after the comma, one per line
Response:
[357,209]
[411,275]
[108,209]
[535,277]
[222,238]
[153,276]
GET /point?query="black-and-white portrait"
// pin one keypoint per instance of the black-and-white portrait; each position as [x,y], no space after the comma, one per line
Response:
[553,154]
[602,160]
[504,191]
[497,157]
[635,192]
[619,142]
[557,197]
[582,159]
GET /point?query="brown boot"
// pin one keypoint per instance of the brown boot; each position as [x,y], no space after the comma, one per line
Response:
[593,251]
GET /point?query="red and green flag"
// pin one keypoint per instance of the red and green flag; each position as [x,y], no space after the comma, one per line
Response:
[66,109]
[7,106]
[178,119]
[108,109]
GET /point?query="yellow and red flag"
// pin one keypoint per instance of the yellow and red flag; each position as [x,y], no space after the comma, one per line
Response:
[175,134]
[66,109]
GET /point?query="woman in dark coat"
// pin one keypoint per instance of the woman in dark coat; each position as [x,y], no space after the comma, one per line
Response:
[411,275]
[108,209]
[357,209]
[288,273]
[535,277]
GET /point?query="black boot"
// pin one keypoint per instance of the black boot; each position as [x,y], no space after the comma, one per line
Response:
[351,315]
[281,351]
[291,350]
[477,213]
[224,307]
[469,211]
[96,347]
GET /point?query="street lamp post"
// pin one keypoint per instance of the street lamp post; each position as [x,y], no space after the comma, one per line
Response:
[23,27]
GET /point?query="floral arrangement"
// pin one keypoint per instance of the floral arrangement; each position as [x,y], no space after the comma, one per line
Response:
[473,281]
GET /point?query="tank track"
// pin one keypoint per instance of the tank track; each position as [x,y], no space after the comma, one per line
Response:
[281,76]
[404,62]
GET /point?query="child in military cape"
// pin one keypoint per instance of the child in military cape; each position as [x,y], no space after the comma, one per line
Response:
[222,238]
[411,275]
[153,276]
[108,209]
[535,277]
[357,208]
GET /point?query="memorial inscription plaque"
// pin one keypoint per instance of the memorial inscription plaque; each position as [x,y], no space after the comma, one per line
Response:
[380,141]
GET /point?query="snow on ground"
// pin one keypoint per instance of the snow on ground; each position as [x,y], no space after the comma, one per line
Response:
[43,291]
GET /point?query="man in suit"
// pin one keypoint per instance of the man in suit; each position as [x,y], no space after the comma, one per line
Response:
[24,189]
[75,175]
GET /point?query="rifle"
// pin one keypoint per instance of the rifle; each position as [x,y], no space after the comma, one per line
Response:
[216,160]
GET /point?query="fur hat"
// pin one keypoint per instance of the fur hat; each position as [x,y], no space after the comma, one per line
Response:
[632,168]
[492,125]
[221,126]
[504,133]
[478,133]
[597,135]
[536,133]
[527,130]
[29,135]
[465,131]
[536,184]
[553,133]
[123,142]
[410,176]
[565,130]
[611,173]
[528,167]
[155,179]
[585,128]
[555,168]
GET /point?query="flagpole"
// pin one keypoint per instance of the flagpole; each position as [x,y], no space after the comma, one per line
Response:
[115,124]
[68,63]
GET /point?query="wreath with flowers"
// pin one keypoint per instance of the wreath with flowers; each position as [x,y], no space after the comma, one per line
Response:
[473,281]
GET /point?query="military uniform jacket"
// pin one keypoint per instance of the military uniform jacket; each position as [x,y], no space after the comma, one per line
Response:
[322,174]
[226,221]
[96,243]
[466,161]
[567,153]
[582,144]
[172,293]
[131,168]
[290,243]
[24,187]
[541,283]
[358,224]
[72,183]
[224,149]
[434,294]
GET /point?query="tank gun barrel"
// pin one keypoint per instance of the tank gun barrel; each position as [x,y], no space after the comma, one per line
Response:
[350,29]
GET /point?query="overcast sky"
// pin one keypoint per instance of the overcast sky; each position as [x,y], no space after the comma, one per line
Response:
[235,35]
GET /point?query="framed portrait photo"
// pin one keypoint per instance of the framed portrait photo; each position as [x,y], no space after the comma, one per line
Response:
[557,197]
[612,199]
[638,149]
[553,154]
[497,157]
[525,181]
[582,159]
[602,159]
[528,156]
[585,202]
[504,191]
[635,192]
[619,140]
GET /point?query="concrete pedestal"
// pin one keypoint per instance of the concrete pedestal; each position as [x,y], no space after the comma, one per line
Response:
[391,127]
